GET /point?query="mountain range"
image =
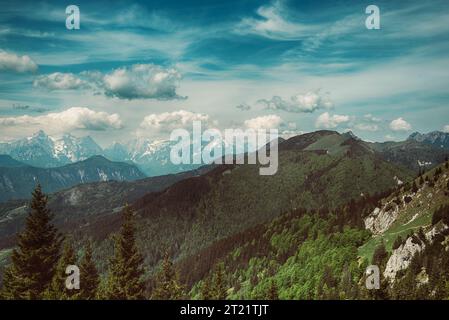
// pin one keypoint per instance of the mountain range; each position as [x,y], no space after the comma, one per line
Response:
[318,169]
[152,157]
[333,201]
[17,180]
[41,150]
[435,138]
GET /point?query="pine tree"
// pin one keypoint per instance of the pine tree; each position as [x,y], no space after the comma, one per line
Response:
[272,293]
[380,256]
[125,278]
[206,290]
[414,187]
[167,282]
[89,279]
[421,181]
[57,289]
[35,258]
[219,289]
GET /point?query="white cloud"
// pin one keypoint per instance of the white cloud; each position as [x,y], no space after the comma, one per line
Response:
[264,122]
[287,134]
[272,23]
[13,62]
[65,121]
[371,118]
[446,128]
[367,127]
[327,121]
[60,81]
[142,81]
[139,81]
[166,122]
[308,102]
[400,124]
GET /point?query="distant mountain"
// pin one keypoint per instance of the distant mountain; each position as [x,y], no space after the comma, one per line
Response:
[17,182]
[412,154]
[41,150]
[152,157]
[437,139]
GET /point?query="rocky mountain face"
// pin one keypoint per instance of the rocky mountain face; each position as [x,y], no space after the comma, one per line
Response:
[152,157]
[437,139]
[41,150]
[17,181]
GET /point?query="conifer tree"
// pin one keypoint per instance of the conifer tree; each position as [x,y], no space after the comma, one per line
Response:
[125,278]
[167,286]
[272,293]
[58,289]
[219,288]
[421,181]
[414,187]
[206,290]
[35,258]
[380,255]
[89,278]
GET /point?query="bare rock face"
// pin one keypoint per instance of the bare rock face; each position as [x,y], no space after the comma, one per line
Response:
[402,257]
[381,219]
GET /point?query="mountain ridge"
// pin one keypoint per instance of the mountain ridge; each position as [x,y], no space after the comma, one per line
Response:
[17,182]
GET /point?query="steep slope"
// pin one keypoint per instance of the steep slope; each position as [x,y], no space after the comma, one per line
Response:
[17,182]
[408,209]
[309,254]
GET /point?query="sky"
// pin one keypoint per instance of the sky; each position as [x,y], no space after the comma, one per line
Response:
[145,68]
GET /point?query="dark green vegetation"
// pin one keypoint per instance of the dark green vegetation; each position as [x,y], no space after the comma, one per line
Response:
[84,204]
[230,233]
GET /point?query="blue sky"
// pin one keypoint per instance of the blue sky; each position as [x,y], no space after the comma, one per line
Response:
[143,68]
